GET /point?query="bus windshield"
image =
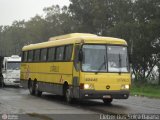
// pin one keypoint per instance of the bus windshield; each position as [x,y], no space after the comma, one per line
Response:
[13,65]
[105,58]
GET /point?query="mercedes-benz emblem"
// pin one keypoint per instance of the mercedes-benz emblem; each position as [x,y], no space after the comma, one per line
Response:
[107,87]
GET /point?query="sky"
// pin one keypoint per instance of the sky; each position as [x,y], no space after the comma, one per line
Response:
[11,10]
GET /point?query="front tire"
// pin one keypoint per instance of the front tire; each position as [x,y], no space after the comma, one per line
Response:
[2,83]
[107,101]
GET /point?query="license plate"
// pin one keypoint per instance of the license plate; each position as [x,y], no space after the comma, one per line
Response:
[106,96]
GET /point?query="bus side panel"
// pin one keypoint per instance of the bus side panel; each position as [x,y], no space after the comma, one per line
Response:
[50,76]
[54,75]
[51,88]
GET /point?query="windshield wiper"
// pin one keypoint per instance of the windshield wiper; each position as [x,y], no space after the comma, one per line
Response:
[104,63]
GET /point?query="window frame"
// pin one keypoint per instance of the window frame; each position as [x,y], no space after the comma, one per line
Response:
[37,60]
[65,52]
[56,53]
[48,55]
[25,56]
[28,59]
[41,50]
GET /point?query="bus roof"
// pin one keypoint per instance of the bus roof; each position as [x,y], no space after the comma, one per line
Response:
[71,36]
[75,38]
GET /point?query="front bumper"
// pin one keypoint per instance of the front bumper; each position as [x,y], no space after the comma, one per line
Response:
[11,81]
[93,94]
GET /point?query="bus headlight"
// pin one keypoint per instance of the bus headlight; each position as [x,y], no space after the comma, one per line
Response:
[88,86]
[125,87]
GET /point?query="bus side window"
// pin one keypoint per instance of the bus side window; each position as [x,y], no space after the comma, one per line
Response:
[22,56]
[43,54]
[25,56]
[68,52]
[51,54]
[37,55]
[30,56]
[60,53]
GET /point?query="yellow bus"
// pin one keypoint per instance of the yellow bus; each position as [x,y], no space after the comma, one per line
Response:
[77,66]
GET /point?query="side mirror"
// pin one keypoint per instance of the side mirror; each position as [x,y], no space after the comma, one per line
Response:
[80,56]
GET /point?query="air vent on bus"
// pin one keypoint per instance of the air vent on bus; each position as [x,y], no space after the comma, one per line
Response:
[71,36]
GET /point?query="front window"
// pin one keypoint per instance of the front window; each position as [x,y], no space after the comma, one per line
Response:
[105,58]
[94,58]
[13,65]
[117,59]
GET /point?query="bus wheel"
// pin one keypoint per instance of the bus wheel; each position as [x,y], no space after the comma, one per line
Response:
[107,101]
[31,88]
[68,95]
[37,91]
[3,84]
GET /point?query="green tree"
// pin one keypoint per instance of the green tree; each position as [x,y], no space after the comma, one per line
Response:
[133,20]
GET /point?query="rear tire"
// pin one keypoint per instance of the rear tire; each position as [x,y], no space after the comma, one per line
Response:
[31,88]
[68,97]
[107,101]
[37,91]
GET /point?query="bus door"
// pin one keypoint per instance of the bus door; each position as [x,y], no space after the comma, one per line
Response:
[76,71]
